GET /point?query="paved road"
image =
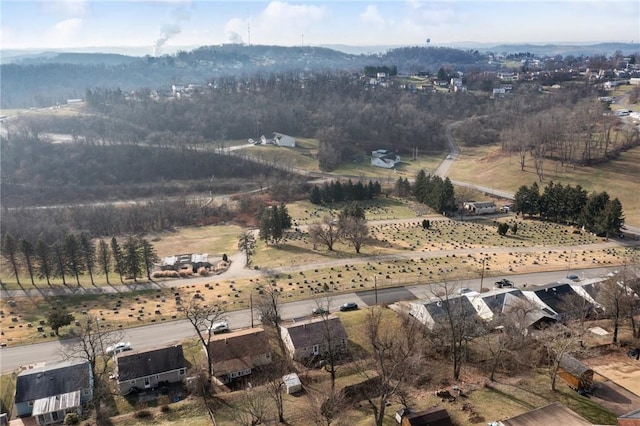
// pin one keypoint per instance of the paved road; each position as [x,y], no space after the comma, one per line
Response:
[146,337]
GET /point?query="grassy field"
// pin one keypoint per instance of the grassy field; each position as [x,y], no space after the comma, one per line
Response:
[304,156]
[489,166]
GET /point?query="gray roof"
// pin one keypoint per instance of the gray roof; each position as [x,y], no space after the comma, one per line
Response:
[134,364]
[312,332]
[456,305]
[52,379]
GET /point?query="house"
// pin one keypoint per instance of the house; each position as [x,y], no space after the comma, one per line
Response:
[193,261]
[434,312]
[284,140]
[434,416]
[631,418]
[385,159]
[480,207]
[51,390]
[313,337]
[560,298]
[505,301]
[238,353]
[552,414]
[140,370]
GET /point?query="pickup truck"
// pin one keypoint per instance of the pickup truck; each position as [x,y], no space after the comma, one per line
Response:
[504,283]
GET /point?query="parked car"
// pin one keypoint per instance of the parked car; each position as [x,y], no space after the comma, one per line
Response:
[349,306]
[219,327]
[504,283]
[117,348]
[573,277]
[464,290]
[319,311]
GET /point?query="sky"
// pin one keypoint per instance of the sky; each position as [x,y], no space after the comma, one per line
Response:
[164,26]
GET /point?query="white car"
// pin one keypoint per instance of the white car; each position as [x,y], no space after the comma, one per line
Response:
[219,327]
[117,348]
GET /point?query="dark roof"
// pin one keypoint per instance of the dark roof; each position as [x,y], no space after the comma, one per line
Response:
[434,416]
[552,414]
[236,351]
[312,332]
[52,379]
[134,364]
[458,305]
[557,296]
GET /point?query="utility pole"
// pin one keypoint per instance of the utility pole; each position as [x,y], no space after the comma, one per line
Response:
[251,307]
[375,287]
[482,273]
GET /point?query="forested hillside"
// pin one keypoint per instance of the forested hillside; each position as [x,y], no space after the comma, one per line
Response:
[49,79]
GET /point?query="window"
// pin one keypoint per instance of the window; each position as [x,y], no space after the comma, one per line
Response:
[316,349]
[132,382]
[30,403]
[183,371]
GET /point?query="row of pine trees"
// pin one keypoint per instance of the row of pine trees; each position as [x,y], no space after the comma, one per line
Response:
[79,256]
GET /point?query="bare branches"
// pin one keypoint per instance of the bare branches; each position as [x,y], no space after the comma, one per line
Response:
[202,317]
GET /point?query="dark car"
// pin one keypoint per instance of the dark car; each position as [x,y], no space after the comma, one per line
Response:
[504,283]
[320,311]
[573,277]
[349,306]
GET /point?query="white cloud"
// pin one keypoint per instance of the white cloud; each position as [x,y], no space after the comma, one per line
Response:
[371,15]
[64,33]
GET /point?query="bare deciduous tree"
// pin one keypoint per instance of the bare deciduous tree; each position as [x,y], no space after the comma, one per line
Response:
[559,342]
[324,408]
[253,407]
[93,338]
[326,232]
[268,306]
[393,358]
[202,317]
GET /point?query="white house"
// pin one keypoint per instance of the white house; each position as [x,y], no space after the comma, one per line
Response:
[284,140]
[385,159]
[480,207]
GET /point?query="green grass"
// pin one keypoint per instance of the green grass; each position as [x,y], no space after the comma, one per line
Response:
[489,166]
[7,390]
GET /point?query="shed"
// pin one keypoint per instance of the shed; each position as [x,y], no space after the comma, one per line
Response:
[576,374]
[292,383]
[434,416]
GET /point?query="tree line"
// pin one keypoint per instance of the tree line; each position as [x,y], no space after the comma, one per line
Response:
[78,255]
[430,190]
[336,192]
[595,212]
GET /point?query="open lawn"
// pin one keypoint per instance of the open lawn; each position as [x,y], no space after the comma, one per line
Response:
[489,166]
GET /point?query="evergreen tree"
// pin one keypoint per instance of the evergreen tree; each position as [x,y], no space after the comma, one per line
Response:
[59,267]
[43,257]
[27,254]
[420,187]
[10,252]
[88,250]
[613,217]
[315,196]
[149,256]
[104,259]
[592,217]
[131,259]
[116,252]
[73,256]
